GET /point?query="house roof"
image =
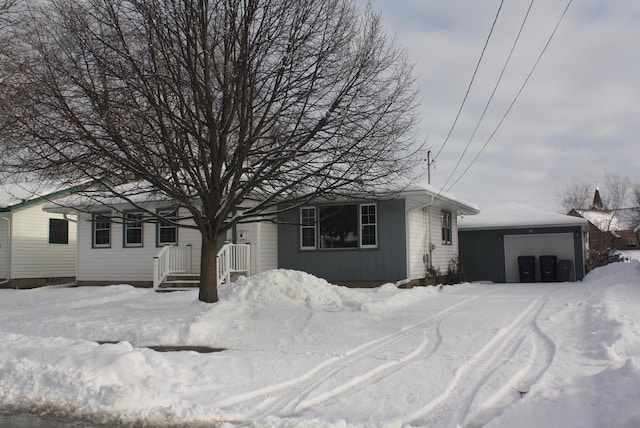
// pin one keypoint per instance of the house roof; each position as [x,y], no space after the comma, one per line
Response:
[602,219]
[422,194]
[136,192]
[14,196]
[425,193]
[515,216]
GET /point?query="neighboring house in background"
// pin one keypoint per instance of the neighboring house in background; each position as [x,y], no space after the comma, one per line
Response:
[36,247]
[492,242]
[608,228]
[391,236]
[369,241]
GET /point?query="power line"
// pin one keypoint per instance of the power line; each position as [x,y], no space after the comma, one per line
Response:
[486,107]
[515,98]
[464,100]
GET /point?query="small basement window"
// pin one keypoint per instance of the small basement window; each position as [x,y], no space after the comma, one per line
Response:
[58,231]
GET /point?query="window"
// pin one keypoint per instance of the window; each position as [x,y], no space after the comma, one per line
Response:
[101,230]
[368,225]
[58,231]
[631,243]
[133,229]
[338,226]
[167,231]
[445,217]
[308,227]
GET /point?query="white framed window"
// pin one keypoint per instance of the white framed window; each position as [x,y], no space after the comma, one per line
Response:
[368,226]
[58,231]
[167,230]
[308,228]
[343,226]
[101,225]
[132,229]
[445,217]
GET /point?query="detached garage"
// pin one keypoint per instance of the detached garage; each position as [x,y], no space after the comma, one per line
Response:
[502,243]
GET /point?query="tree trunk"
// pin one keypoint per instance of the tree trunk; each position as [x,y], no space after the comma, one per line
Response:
[208,271]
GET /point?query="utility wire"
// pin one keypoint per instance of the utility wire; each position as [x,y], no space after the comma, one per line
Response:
[486,107]
[515,98]
[464,100]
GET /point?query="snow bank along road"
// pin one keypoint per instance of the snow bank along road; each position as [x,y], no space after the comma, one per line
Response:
[301,352]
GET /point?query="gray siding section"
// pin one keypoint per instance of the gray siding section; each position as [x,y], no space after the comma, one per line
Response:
[482,251]
[387,262]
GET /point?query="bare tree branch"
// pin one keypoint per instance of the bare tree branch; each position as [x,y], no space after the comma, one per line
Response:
[211,103]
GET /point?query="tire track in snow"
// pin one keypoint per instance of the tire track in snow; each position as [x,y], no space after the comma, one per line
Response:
[295,396]
[541,357]
[451,407]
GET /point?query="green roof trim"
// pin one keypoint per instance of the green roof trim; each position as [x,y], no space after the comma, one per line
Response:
[46,198]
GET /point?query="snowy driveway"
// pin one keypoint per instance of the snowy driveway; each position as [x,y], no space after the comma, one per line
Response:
[303,353]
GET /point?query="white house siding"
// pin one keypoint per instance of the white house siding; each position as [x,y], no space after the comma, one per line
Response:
[4,245]
[443,254]
[268,252]
[263,237]
[126,264]
[418,242]
[31,254]
[424,226]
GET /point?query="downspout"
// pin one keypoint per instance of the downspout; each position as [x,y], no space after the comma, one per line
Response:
[8,220]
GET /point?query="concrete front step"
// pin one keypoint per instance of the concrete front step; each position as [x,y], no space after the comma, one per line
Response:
[183,276]
[179,284]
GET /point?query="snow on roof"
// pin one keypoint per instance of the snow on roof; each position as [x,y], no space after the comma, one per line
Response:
[515,215]
[423,189]
[139,192]
[136,192]
[16,193]
[603,220]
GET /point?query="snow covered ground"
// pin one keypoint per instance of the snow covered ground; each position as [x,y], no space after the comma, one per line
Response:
[303,353]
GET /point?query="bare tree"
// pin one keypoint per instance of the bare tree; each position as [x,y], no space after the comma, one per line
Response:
[578,194]
[212,103]
[617,187]
[7,5]
[575,195]
[635,197]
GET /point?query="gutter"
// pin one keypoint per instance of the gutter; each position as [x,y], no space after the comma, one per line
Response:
[8,220]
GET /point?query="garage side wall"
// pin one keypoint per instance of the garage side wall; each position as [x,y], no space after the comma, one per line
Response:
[483,251]
[482,255]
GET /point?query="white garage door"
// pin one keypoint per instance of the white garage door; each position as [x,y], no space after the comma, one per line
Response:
[552,244]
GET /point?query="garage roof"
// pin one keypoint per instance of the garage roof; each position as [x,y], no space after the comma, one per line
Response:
[514,216]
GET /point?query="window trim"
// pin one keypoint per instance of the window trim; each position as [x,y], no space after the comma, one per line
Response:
[359,227]
[361,224]
[125,229]
[313,227]
[106,215]
[166,212]
[446,229]
[66,236]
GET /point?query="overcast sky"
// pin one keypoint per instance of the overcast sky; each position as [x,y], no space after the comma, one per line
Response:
[578,117]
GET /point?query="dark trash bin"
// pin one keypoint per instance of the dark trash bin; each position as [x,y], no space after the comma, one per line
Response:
[548,268]
[565,270]
[527,268]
